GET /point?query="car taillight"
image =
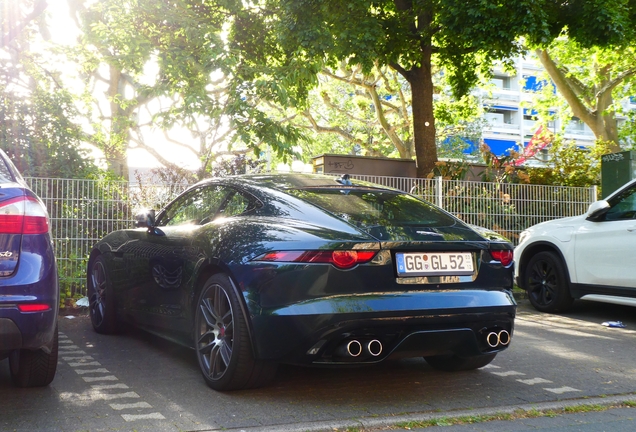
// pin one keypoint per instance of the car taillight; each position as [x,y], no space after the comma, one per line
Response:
[503,256]
[342,259]
[23,215]
[34,307]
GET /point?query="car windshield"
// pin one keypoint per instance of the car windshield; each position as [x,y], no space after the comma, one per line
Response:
[369,207]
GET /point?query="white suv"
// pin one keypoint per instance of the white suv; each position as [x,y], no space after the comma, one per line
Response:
[588,257]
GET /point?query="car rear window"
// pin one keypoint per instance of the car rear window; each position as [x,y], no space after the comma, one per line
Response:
[367,208]
[5,173]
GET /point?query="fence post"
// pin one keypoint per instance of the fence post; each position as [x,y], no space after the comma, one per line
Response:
[438,191]
[594,193]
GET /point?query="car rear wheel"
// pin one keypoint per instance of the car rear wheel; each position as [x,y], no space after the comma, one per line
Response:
[221,339]
[547,284]
[453,363]
[34,368]
[101,303]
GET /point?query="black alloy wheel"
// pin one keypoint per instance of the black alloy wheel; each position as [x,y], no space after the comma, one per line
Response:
[453,363]
[547,284]
[100,298]
[222,342]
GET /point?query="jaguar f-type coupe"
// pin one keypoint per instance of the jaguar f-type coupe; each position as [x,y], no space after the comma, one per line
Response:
[252,271]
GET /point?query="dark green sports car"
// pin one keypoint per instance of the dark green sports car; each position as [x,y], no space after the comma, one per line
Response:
[253,271]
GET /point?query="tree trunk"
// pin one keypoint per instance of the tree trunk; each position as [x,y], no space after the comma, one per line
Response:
[599,120]
[421,81]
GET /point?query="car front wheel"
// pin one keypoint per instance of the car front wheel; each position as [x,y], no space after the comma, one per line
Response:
[222,342]
[547,284]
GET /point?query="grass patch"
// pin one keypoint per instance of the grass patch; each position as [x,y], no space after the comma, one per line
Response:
[517,415]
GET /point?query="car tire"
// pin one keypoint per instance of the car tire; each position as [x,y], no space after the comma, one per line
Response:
[222,342]
[101,301]
[453,363]
[34,368]
[546,282]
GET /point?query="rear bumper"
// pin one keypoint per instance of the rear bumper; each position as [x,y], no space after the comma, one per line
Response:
[28,330]
[409,324]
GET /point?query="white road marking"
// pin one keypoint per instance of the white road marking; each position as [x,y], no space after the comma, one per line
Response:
[561,390]
[119,407]
[505,374]
[491,366]
[86,357]
[534,381]
[133,417]
[78,358]
[68,347]
[109,386]
[93,363]
[102,378]
[85,371]
[107,396]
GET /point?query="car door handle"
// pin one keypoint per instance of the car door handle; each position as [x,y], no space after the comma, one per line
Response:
[631,229]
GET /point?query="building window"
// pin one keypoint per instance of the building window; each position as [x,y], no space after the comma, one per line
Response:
[501,82]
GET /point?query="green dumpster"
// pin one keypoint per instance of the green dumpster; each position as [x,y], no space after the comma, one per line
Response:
[616,170]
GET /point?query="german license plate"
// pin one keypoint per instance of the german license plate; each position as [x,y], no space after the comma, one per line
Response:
[434,263]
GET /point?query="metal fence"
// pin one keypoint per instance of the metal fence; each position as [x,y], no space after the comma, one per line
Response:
[83,211]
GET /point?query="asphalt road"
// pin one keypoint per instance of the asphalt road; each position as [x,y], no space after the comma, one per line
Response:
[136,381]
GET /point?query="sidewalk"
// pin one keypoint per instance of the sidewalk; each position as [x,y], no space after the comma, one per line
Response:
[612,419]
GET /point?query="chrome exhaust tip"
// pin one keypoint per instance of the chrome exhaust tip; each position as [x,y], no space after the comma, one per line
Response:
[504,337]
[354,348]
[496,339]
[492,339]
[374,347]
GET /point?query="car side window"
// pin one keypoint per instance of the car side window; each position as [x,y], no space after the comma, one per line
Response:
[196,207]
[237,204]
[623,206]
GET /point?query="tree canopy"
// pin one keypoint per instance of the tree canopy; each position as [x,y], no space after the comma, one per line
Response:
[215,68]
[284,43]
[38,117]
[593,81]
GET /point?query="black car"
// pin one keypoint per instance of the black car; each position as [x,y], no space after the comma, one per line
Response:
[252,271]
[29,288]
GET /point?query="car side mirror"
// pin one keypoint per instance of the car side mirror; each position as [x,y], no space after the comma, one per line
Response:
[145,219]
[597,209]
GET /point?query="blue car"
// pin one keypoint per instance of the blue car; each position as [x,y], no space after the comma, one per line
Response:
[29,288]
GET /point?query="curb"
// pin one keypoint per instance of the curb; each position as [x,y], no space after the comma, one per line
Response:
[520,295]
[385,422]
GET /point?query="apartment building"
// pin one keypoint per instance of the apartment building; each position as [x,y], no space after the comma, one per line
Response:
[509,115]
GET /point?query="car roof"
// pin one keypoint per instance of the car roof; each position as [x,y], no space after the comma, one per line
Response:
[287,181]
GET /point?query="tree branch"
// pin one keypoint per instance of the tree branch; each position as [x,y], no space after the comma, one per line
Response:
[13,32]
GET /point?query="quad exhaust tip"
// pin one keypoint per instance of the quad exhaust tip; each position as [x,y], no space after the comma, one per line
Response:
[356,348]
[496,339]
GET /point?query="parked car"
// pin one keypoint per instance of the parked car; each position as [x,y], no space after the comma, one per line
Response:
[29,290]
[252,271]
[588,257]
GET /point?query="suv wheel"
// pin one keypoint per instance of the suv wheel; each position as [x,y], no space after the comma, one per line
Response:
[547,284]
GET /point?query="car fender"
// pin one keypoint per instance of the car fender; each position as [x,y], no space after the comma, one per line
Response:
[548,236]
